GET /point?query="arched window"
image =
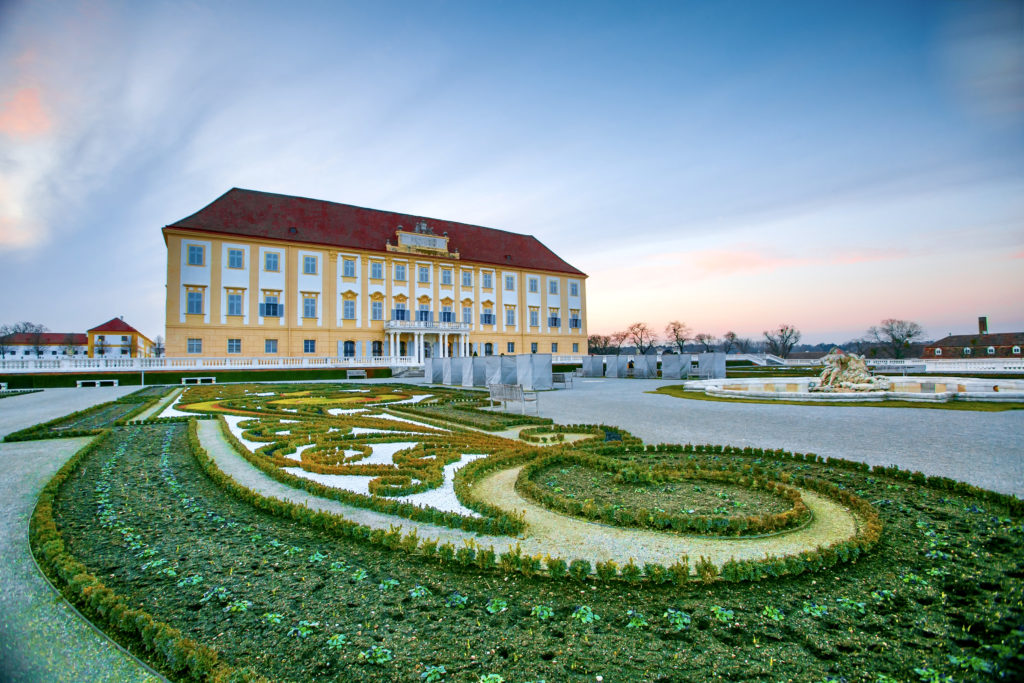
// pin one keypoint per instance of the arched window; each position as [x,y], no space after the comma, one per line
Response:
[938,352]
[991,350]
[967,350]
[350,349]
[1016,350]
[377,348]
[488,349]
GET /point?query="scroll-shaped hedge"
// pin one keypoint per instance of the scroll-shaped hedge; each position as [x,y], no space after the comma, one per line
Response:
[643,518]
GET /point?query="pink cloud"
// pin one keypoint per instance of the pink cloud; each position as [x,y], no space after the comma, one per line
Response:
[22,114]
[1019,254]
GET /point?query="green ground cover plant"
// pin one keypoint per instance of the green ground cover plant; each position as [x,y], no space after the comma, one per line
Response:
[235,584]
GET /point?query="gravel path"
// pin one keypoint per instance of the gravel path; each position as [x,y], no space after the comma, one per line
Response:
[41,638]
[567,537]
[985,449]
[550,533]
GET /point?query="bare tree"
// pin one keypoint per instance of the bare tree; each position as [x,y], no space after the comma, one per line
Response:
[706,340]
[5,340]
[615,340]
[158,346]
[782,339]
[729,340]
[747,345]
[35,333]
[895,335]
[69,346]
[643,337]
[677,333]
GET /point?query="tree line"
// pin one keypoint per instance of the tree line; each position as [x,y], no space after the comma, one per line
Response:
[891,337]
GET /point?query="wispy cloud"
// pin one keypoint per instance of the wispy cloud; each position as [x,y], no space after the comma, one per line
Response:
[23,115]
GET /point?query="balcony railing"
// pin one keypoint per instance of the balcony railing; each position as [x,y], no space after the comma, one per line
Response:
[188,364]
[428,325]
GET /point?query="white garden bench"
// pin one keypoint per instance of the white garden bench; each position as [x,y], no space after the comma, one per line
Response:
[356,374]
[514,393]
[563,378]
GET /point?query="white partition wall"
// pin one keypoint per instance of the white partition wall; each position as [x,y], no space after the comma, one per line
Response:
[612,367]
[436,371]
[455,374]
[645,367]
[533,371]
[711,365]
[672,365]
[446,371]
[427,369]
[492,369]
[508,370]
[593,366]
[479,372]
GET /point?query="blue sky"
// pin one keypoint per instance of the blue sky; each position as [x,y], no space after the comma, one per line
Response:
[733,165]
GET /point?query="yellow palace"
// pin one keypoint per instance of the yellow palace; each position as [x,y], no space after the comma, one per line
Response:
[256,274]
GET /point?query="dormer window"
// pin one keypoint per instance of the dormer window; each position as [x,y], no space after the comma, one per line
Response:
[1016,350]
[938,352]
[967,350]
[991,350]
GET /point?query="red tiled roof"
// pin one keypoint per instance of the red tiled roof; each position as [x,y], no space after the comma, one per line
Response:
[265,215]
[115,325]
[995,339]
[47,338]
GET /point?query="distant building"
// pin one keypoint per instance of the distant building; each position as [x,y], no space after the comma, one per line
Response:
[117,339]
[45,345]
[261,274]
[956,346]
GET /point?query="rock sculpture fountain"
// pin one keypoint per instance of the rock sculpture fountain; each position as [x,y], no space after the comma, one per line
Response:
[848,372]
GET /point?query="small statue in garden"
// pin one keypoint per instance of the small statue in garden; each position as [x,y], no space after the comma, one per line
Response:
[848,372]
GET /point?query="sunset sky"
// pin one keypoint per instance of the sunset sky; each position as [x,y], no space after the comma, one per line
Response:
[733,165]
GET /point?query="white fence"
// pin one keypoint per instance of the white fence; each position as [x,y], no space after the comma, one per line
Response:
[36,365]
[196,364]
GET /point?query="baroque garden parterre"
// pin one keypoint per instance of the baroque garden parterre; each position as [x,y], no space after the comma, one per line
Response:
[209,580]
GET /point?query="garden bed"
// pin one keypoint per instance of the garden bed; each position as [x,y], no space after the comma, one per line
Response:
[939,595]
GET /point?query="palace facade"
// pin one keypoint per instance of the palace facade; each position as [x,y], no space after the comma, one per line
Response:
[260,274]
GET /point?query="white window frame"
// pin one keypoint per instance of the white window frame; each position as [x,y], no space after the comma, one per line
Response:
[192,345]
[189,299]
[234,295]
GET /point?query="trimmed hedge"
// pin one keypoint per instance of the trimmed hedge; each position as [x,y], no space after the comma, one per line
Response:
[642,518]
